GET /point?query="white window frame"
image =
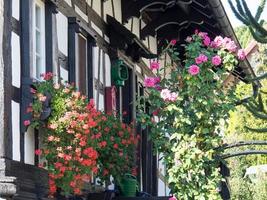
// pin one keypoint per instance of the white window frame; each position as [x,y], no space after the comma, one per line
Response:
[41,54]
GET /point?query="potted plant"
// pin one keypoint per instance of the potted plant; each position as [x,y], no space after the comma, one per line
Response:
[69,153]
[116,145]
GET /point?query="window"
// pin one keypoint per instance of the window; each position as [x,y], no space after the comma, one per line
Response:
[38,32]
[81,64]
[80,44]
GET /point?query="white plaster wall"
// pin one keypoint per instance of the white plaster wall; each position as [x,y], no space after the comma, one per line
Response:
[153,44]
[136,25]
[161,188]
[15,9]
[108,70]
[62,33]
[117,8]
[107,9]
[97,6]
[29,146]
[96,28]
[101,78]
[88,2]
[81,13]
[68,2]
[95,61]
[15,56]
[64,74]
[101,102]
[15,109]
[128,24]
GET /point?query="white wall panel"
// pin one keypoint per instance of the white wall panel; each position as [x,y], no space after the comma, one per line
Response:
[97,6]
[15,56]
[29,146]
[117,8]
[101,102]
[69,2]
[62,33]
[81,13]
[108,70]
[153,44]
[101,78]
[95,61]
[15,107]
[161,188]
[136,27]
[107,9]
[15,9]
[64,74]
[128,24]
[96,28]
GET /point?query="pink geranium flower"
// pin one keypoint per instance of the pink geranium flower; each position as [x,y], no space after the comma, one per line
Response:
[216,60]
[231,46]
[193,70]
[154,65]
[149,82]
[201,58]
[241,54]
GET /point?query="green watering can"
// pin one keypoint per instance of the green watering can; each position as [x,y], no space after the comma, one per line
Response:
[128,185]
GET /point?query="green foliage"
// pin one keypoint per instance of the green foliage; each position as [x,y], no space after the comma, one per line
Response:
[254,24]
[244,36]
[242,187]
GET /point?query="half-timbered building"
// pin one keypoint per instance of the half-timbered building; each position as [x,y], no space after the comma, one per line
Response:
[81,41]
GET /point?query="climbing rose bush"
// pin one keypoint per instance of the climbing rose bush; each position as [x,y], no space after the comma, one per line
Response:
[78,142]
[188,105]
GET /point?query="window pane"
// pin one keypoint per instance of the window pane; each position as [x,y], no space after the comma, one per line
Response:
[37,16]
[38,66]
[38,42]
[81,68]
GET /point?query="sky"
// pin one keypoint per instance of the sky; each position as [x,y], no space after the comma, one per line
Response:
[252,4]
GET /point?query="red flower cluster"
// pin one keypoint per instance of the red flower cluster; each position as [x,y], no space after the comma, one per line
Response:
[79,140]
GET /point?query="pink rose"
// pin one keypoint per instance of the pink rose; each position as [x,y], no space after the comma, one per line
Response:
[154,65]
[218,41]
[173,42]
[203,34]
[27,122]
[231,46]
[165,94]
[188,39]
[33,91]
[201,58]
[193,70]
[206,41]
[173,96]
[149,82]
[241,54]
[172,198]
[216,60]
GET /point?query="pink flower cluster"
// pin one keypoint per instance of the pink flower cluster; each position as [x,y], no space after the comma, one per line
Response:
[205,37]
[167,95]
[216,60]
[227,43]
[201,59]
[154,65]
[151,81]
[193,70]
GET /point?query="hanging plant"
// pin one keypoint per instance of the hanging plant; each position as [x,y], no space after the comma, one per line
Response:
[190,103]
[78,142]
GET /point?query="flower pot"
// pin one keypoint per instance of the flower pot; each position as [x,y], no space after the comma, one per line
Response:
[128,186]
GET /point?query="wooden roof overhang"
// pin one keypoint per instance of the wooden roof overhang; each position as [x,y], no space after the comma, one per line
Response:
[176,19]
